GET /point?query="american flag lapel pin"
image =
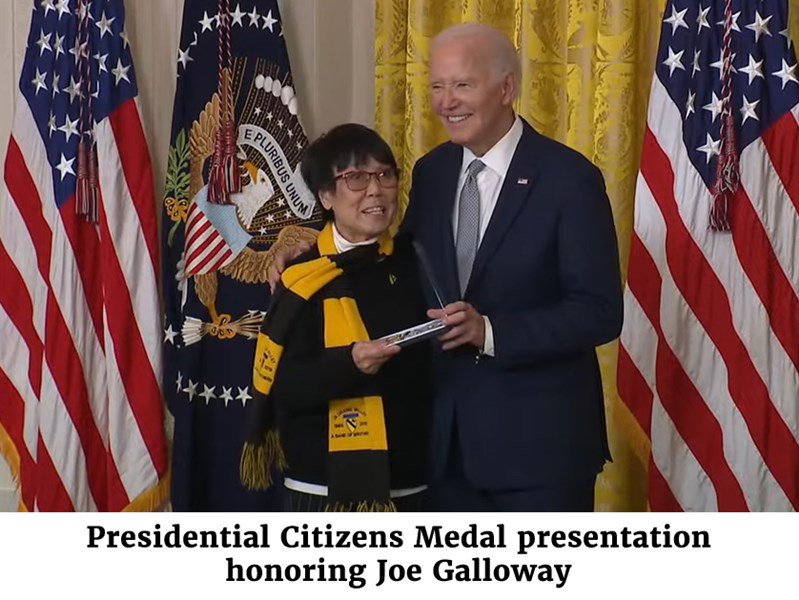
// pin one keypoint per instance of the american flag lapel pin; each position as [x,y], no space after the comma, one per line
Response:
[521,181]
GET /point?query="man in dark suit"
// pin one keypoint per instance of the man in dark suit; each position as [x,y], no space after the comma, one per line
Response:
[519,233]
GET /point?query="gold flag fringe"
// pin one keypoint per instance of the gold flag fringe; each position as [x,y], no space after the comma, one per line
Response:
[153,499]
[11,455]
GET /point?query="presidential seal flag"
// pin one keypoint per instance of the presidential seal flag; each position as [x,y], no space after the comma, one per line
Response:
[709,356]
[233,196]
[81,417]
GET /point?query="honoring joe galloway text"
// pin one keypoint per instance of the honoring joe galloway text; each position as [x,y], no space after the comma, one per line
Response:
[499,555]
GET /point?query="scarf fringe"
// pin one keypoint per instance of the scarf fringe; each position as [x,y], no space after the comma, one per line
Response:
[362,506]
[258,461]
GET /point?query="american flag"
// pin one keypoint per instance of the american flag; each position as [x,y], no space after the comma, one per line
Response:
[709,354]
[80,361]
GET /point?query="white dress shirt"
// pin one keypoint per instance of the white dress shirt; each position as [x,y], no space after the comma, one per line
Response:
[489,182]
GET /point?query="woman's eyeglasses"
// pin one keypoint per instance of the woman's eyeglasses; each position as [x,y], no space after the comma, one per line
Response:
[358,181]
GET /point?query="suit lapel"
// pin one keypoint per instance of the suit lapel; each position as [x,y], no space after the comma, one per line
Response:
[445,201]
[516,188]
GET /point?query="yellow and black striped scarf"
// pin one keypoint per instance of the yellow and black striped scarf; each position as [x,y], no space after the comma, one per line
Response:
[358,473]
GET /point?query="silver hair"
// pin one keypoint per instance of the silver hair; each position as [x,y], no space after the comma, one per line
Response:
[504,57]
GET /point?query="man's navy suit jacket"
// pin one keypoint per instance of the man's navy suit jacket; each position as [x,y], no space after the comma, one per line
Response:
[547,276]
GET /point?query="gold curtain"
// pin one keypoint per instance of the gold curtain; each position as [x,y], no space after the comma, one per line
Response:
[586,71]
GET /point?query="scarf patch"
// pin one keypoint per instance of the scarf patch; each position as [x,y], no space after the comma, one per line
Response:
[357,424]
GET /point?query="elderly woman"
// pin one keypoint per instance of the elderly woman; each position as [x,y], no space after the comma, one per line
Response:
[345,418]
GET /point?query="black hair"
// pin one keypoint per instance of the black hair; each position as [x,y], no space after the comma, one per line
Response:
[350,144]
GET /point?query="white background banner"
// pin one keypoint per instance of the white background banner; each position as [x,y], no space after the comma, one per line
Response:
[399,555]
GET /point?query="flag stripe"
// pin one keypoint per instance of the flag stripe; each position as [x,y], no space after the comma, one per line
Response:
[69,385]
[768,279]
[12,416]
[666,440]
[633,385]
[81,260]
[223,260]
[23,187]
[684,480]
[193,214]
[782,144]
[135,165]
[761,214]
[682,401]
[700,284]
[52,496]
[13,364]
[211,255]
[124,238]
[16,301]
[216,261]
[768,198]
[136,469]
[131,356]
[198,238]
[210,245]
[20,249]
[663,499]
